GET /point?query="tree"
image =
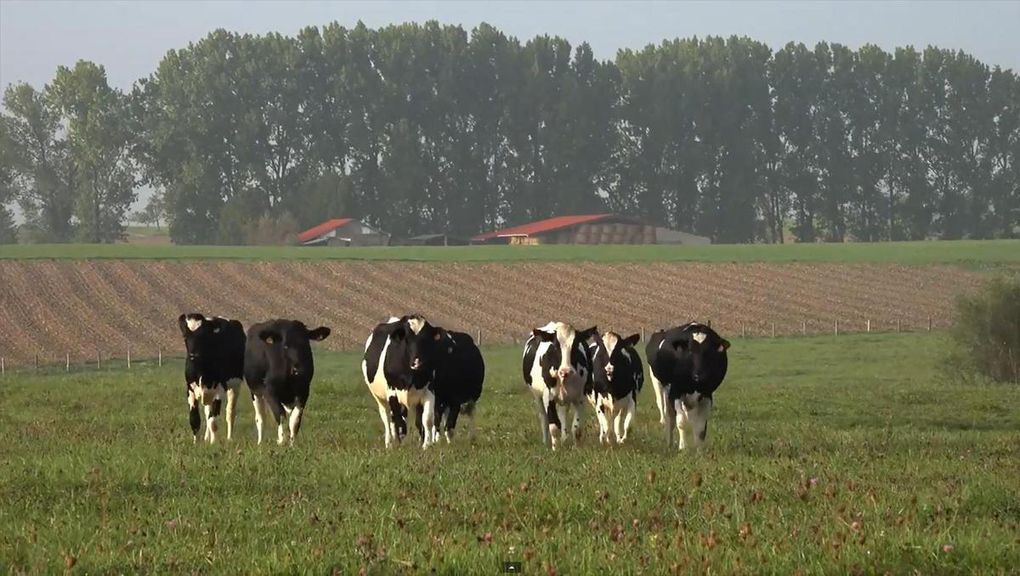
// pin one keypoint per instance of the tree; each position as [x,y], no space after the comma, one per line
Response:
[99,143]
[38,163]
[154,211]
[8,191]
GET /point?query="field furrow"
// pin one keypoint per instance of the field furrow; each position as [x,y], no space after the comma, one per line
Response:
[53,307]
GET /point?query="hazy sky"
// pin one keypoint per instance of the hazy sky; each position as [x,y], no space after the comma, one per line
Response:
[129,38]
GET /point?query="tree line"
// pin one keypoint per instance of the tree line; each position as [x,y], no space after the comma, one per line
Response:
[426,128]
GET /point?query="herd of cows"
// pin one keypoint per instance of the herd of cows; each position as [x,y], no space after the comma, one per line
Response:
[412,367]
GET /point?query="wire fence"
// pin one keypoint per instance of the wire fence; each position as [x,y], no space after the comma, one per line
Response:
[129,358]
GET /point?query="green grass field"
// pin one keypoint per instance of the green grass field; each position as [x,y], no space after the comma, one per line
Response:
[978,253]
[835,456]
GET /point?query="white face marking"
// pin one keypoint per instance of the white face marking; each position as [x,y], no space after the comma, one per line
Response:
[392,320]
[416,324]
[626,354]
[699,337]
[193,323]
[610,340]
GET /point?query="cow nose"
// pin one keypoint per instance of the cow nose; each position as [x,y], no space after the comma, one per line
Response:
[609,370]
[567,371]
[416,364]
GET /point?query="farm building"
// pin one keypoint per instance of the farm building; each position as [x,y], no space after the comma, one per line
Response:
[434,240]
[579,229]
[343,232]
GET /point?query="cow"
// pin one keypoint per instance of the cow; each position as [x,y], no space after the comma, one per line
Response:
[278,368]
[457,386]
[213,369]
[617,378]
[399,368]
[687,364]
[557,368]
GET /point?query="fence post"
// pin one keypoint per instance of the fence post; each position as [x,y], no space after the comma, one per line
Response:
[36,362]
[897,324]
[743,330]
[159,351]
[479,336]
[803,327]
[99,359]
[835,328]
[643,334]
[129,357]
[929,322]
[67,362]
[868,329]
[3,365]
[773,329]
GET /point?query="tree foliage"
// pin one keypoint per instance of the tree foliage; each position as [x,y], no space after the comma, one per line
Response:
[426,127]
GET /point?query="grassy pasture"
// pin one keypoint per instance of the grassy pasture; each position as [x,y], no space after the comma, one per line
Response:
[968,252]
[825,456]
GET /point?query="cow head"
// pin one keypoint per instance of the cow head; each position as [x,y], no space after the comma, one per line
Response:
[707,351]
[421,343]
[613,353]
[289,349]
[566,358]
[199,334]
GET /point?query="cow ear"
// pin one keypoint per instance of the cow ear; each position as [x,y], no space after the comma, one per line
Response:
[269,337]
[544,336]
[724,344]
[584,335]
[681,344]
[183,325]
[632,340]
[319,334]
[218,324]
[399,332]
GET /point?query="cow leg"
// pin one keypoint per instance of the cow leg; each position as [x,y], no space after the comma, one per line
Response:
[600,414]
[451,421]
[397,419]
[543,420]
[562,411]
[670,419]
[629,408]
[212,413]
[260,416]
[552,419]
[389,429]
[699,421]
[294,419]
[278,414]
[682,419]
[194,418]
[429,414]
[469,410]
[232,388]
[661,397]
[578,425]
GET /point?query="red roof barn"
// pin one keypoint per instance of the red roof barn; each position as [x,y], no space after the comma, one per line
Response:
[343,232]
[576,229]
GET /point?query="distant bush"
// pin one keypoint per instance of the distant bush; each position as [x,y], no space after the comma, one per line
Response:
[268,231]
[987,331]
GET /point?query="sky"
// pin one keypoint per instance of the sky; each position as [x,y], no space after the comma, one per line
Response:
[130,38]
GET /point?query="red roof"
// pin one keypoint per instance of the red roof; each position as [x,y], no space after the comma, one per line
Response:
[325,227]
[547,225]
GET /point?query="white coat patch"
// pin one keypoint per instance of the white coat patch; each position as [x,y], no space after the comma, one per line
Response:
[194,323]
[416,324]
[699,337]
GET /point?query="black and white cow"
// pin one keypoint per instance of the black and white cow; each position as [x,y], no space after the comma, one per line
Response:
[213,369]
[278,368]
[687,365]
[617,378]
[399,367]
[557,368]
[456,385]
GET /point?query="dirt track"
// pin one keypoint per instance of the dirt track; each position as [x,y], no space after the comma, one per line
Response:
[52,308]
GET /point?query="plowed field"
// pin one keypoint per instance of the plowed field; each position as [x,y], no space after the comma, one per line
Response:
[52,308]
